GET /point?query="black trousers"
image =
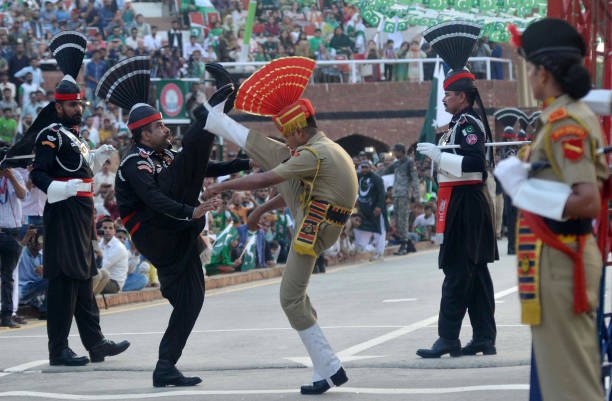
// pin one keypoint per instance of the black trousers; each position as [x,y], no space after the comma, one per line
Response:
[467,287]
[186,295]
[67,297]
[9,256]
[511,216]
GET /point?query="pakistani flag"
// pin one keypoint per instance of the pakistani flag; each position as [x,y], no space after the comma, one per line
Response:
[221,251]
[196,25]
[436,116]
[249,260]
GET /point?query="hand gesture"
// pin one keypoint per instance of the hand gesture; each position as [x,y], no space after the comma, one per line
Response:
[211,190]
[208,205]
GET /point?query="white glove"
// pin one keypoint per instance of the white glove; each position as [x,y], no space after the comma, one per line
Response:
[511,173]
[61,190]
[430,150]
[99,156]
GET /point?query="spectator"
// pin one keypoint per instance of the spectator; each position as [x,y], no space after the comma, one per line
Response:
[47,13]
[75,23]
[316,40]
[143,28]
[228,47]
[90,14]
[32,285]
[10,224]
[175,37]
[132,41]
[34,68]
[414,69]
[93,132]
[8,126]
[303,49]
[153,41]
[104,176]
[117,34]
[191,46]
[196,65]
[479,68]
[425,224]
[93,72]
[7,100]
[496,67]
[389,54]
[26,88]
[106,13]
[138,268]
[5,83]
[371,204]
[341,43]
[60,13]
[17,61]
[107,131]
[287,43]
[127,13]
[114,258]
[271,27]
[26,123]
[35,26]
[34,203]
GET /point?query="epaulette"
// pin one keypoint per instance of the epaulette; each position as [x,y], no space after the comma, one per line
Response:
[557,115]
[145,160]
[54,128]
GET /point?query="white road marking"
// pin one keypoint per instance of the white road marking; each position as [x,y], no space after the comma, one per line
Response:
[349,353]
[192,393]
[399,300]
[23,367]
[142,333]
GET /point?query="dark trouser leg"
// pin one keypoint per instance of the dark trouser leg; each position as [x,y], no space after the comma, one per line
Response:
[61,301]
[183,180]
[534,383]
[481,305]
[9,255]
[512,216]
[186,295]
[87,315]
[453,305]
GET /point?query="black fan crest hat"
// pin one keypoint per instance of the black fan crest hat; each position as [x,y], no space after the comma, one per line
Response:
[537,39]
[523,123]
[508,116]
[454,41]
[126,85]
[68,48]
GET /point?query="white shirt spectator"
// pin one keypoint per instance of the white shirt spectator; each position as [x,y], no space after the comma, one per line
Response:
[153,43]
[10,204]
[35,199]
[132,43]
[188,49]
[9,85]
[37,75]
[424,221]
[27,89]
[115,260]
[101,178]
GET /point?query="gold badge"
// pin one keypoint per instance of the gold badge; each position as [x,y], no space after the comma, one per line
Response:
[525,264]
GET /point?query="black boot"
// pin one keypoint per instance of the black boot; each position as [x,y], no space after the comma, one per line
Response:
[321,386]
[166,374]
[10,323]
[402,249]
[410,248]
[68,358]
[487,347]
[107,348]
[440,347]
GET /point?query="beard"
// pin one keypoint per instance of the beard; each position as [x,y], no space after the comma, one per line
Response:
[71,121]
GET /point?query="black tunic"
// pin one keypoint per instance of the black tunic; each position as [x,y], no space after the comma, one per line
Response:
[469,234]
[69,224]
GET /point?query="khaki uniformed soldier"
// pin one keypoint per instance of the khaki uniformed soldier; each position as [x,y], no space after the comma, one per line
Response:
[559,263]
[316,179]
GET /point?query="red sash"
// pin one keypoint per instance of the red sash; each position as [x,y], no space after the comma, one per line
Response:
[445,190]
[545,234]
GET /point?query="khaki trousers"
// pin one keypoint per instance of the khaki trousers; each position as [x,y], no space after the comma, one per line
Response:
[565,344]
[268,153]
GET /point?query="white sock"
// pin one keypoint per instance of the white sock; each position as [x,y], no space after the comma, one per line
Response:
[220,124]
[324,361]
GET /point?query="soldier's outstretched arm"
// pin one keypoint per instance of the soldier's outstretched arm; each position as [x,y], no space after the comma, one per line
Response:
[253,181]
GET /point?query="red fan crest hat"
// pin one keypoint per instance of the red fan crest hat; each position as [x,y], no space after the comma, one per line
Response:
[454,42]
[275,91]
[68,48]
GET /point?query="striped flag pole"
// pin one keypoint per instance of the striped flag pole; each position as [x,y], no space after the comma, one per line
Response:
[248,29]
[490,144]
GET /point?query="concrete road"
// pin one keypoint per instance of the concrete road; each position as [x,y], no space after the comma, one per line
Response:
[375,315]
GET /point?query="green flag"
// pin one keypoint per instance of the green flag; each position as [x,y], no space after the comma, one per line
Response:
[248,255]
[428,131]
[221,251]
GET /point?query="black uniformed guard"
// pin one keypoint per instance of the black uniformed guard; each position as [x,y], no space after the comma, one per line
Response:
[63,169]
[465,222]
[157,194]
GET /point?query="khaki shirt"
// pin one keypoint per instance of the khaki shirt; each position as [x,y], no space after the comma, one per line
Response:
[568,135]
[336,181]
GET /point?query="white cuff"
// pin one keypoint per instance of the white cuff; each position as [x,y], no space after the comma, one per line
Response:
[56,191]
[600,101]
[451,163]
[544,197]
[220,124]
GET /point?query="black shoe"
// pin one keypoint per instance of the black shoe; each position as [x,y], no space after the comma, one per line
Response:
[410,248]
[321,386]
[19,319]
[402,249]
[107,348]
[10,323]
[42,316]
[441,347]
[68,358]
[487,347]
[166,374]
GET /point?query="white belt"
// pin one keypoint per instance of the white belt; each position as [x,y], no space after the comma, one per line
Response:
[464,177]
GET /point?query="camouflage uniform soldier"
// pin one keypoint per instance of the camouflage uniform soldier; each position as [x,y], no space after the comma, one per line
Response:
[405,190]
